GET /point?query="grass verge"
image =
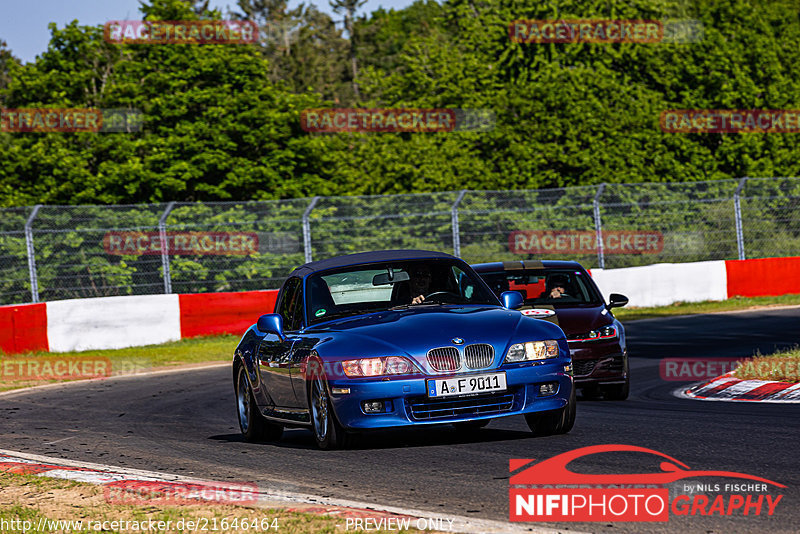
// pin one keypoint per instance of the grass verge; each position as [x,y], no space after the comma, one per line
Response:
[37,368]
[708,306]
[783,366]
[48,503]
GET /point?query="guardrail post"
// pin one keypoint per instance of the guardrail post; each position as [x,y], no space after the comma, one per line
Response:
[162,237]
[307,228]
[737,211]
[454,221]
[31,253]
[598,227]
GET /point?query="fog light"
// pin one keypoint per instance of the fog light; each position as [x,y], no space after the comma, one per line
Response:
[548,389]
[373,406]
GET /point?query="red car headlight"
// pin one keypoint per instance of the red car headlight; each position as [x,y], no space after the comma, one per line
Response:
[607,332]
[385,365]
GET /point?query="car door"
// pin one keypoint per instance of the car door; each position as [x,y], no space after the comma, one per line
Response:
[291,360]
[274,353]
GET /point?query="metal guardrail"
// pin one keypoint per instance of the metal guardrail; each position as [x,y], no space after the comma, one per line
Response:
[58,252]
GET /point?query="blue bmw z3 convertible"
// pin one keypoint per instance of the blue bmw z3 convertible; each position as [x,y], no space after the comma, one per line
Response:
[398,338]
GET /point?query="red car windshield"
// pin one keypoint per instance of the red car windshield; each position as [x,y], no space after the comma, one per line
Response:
[546,286]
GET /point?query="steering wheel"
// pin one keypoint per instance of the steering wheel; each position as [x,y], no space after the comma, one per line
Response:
[435,293]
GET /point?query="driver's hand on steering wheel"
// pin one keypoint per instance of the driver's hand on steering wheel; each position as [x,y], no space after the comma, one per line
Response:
[418,300]
[557,293]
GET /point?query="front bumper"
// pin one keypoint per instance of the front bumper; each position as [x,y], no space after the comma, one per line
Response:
[599,363]
[407,402]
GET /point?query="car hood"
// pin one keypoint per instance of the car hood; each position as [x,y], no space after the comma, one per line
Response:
[414,331]
[579,320]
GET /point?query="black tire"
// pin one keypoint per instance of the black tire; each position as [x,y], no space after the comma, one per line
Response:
[467,427]
[617,392]
[252,424]
[328,433]
[554,422]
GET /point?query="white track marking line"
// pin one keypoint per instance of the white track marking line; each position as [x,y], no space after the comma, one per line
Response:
[109,473]
[145,475]
[58,440]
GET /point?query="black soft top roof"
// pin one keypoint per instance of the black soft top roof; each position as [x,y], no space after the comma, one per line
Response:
[379,256]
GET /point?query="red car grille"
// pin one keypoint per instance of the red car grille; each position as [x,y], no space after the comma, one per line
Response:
[583,367]
[444,359]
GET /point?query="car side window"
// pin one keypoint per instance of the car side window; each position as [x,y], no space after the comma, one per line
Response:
[465,286]
[288,299]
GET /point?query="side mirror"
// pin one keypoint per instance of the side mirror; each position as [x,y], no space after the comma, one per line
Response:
[271,323]
[615,300]
[511,299]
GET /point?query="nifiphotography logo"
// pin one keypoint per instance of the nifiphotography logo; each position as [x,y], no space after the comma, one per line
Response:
[548,491]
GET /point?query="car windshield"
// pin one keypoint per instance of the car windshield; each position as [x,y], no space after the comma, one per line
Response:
[546,286]
[395,285]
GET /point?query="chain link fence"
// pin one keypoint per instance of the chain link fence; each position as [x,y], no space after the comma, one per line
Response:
[63,252]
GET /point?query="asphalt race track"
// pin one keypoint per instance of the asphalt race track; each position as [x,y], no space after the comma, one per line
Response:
[185,423]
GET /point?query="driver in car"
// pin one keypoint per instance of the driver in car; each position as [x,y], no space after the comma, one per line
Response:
[420,283]
[556,286]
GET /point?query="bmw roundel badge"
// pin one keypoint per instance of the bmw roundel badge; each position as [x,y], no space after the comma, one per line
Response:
[457,341]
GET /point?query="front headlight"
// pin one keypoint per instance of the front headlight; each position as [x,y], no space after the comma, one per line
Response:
[387,365]
[607,332]
[532,350]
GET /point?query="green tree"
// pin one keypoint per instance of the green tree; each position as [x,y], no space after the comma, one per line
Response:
[304,49]
[6,60]
[215,127]
[348,8]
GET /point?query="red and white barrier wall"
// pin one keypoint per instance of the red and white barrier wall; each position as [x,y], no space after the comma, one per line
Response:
[116,322]
[664,283]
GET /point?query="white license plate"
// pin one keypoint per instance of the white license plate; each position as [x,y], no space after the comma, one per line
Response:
[466,385]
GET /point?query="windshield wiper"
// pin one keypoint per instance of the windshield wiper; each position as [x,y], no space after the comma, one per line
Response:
[424,303]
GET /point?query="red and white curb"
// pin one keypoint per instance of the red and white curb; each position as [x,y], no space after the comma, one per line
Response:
[729,388]
[195,491]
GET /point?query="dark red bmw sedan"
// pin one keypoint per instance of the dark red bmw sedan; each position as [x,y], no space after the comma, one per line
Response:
[564,293]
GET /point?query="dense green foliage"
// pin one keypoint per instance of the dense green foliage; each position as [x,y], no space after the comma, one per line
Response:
[221,122]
